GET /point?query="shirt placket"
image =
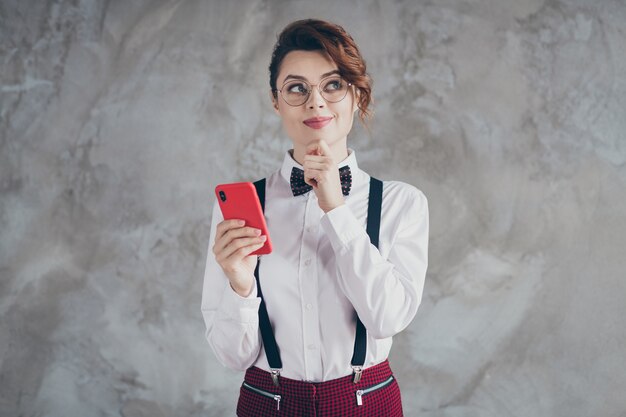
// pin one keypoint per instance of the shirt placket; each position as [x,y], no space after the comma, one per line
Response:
[308,289]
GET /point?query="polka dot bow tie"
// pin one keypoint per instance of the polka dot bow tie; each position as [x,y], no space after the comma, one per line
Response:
[299,187]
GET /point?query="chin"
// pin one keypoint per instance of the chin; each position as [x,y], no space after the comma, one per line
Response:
[329,137]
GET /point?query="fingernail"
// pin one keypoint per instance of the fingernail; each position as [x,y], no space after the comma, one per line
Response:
[263,238]
[257,232]
[241,222]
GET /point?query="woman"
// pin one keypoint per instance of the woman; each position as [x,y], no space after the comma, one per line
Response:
[315,327]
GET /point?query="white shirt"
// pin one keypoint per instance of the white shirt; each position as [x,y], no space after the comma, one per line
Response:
[323,268]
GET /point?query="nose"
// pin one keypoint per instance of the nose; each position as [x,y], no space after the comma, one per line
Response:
[315,99]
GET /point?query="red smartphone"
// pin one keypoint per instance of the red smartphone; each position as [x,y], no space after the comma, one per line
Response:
[239,200]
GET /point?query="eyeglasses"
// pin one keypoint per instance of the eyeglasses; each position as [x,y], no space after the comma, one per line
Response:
[297,92]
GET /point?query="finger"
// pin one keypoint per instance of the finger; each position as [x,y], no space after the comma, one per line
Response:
[317,177]
[225,225]
[242,232]
[313,173]
[229,235]
[318,158]
[323,165]
[220,231]
[327,167]
[239,262]
[233,234]
[309,157]
[240,256]
[325,148]
[314,148]
[312,181]
[238,247]
[246,251]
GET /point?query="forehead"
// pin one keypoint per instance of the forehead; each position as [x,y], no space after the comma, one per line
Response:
[308,64]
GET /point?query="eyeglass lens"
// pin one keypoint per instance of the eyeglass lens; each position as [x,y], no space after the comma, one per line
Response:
[297,92]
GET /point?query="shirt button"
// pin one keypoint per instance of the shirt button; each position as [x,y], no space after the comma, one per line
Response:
[309,306]
[310,229]
[307,262]
[311,347]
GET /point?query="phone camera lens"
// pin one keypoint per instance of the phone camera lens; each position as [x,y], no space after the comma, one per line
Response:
[223,195]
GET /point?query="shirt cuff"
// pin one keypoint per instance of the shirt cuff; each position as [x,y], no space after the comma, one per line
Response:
[341,226]
[243,310]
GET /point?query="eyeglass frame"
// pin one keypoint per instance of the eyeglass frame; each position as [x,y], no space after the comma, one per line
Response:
[311,90]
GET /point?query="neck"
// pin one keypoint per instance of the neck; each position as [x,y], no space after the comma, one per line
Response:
[339,151]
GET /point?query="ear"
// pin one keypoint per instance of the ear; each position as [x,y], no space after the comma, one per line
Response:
[357,96]
[274,102]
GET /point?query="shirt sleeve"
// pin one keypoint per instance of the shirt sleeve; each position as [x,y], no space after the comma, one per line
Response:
[385,291]
[232,325]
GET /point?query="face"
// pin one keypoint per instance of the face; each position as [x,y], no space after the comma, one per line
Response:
[316,119]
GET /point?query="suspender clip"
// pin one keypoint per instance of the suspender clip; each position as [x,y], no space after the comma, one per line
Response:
[275,375]
[358,370]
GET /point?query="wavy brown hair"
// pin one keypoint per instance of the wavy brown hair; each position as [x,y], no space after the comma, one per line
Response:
[319,35]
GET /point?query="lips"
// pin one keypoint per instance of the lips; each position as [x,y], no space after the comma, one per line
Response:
[317,122]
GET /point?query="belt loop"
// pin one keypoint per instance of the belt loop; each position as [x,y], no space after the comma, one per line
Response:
[275,376]
[357,374]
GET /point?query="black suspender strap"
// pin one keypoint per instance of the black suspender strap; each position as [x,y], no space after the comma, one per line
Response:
[373,230]
[360,341]
[373,210]
[267,333]
[260,192]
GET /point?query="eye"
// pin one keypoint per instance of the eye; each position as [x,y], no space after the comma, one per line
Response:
[297,88]
[333,85]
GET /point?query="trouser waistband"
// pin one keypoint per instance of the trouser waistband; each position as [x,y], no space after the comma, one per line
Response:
[371,376]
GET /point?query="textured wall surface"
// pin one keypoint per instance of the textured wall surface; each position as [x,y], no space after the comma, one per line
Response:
[118,118]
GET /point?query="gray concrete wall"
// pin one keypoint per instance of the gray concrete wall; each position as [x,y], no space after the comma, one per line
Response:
[118,118]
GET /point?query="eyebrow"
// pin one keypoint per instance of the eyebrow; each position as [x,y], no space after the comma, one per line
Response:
[299,77]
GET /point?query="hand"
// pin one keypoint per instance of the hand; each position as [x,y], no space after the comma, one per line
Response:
[234,242]
[321,173]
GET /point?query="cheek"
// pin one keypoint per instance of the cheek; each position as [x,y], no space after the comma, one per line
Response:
[349,106]
[291,121]
[287,114]
[346,112]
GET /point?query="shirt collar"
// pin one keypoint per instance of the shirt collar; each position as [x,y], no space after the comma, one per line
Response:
[289,163]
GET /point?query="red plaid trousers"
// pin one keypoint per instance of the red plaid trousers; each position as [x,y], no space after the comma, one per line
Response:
[378,391]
